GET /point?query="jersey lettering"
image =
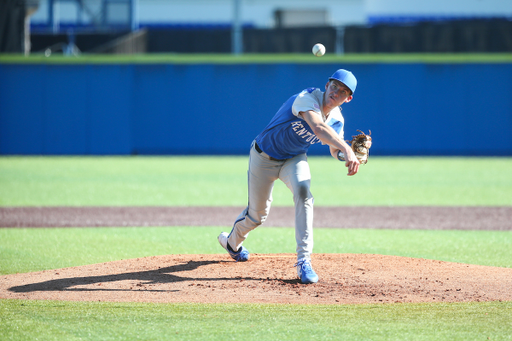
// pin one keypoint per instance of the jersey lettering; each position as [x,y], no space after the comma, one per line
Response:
[287,134]
[296,125]
[301,131]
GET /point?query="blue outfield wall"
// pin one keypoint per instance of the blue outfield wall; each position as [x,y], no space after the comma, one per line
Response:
[89,109]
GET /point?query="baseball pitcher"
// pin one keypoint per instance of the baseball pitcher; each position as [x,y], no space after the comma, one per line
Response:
[279,152]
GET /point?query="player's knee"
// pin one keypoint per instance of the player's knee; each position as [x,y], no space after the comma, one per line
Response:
[303,193]
[257,219]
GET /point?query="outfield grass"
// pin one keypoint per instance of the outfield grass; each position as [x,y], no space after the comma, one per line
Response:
[222,181]
[92,181]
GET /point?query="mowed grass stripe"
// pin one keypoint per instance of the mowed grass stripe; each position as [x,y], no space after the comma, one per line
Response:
[28,250]
[222,181]
[55,320]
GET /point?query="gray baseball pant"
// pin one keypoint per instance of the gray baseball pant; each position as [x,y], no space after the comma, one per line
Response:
[262,174]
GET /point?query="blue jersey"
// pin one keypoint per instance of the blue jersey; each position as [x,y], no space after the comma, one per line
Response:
[288,134]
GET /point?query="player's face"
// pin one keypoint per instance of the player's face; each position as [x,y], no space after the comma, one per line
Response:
[337,93]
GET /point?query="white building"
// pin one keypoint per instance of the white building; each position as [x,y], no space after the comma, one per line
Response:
[266,13]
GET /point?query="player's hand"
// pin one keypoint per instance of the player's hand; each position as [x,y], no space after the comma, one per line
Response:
[353,167]
[352,163]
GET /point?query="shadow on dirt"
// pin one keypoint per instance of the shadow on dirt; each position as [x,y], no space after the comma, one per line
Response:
[158,276]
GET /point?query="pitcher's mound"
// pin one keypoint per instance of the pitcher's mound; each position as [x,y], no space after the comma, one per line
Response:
[265,278]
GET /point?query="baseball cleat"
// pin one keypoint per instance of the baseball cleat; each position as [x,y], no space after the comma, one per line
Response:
[305,271]
[241,256]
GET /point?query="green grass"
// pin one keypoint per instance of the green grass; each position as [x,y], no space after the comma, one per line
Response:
[222,181]
[50,320]
[306,58]
[26,250]
[92,181]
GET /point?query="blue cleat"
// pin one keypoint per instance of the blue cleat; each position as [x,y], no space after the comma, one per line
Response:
[305,271]
[241,255]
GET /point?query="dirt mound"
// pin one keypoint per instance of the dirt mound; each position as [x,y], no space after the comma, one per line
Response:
[266,278]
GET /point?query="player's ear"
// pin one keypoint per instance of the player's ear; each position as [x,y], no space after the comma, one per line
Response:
[327,85]
[349,98]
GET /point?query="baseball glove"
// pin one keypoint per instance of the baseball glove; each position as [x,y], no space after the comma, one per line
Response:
[361,146]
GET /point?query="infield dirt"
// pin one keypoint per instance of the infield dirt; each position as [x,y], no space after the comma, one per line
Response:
[265,278]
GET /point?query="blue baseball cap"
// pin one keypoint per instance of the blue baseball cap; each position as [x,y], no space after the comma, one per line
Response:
[346,77]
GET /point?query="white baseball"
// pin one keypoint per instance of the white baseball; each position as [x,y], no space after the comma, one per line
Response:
[318,50]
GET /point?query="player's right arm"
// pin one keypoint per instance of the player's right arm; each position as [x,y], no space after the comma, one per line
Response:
[328,136]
